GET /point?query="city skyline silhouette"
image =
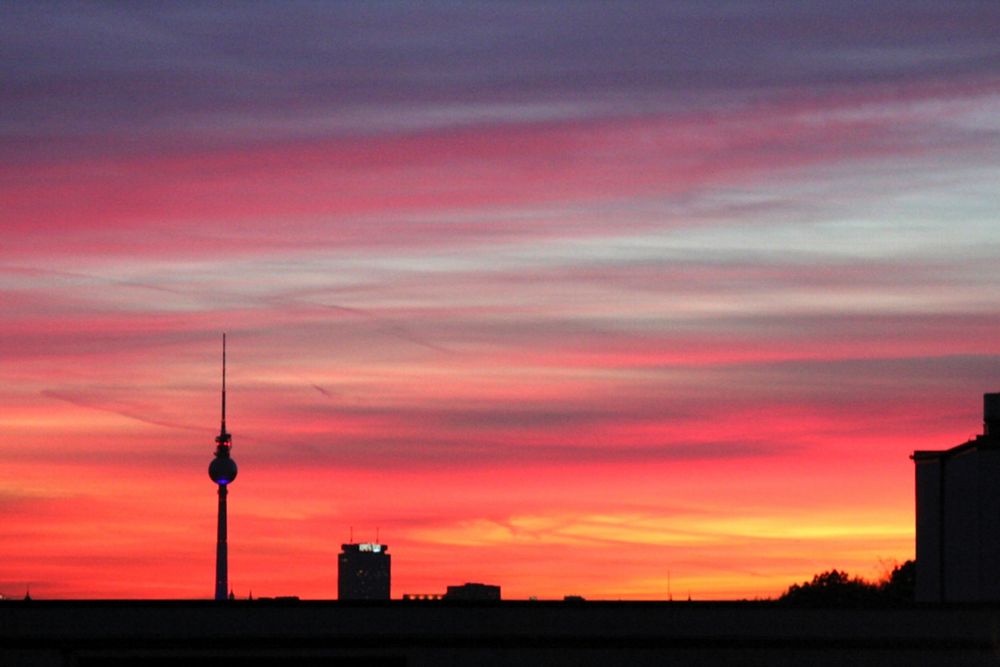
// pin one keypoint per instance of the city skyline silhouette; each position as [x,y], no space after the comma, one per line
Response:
[565,297]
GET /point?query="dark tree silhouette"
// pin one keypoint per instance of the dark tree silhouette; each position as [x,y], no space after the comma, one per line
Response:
[832,589]
[835,588]
[899,585]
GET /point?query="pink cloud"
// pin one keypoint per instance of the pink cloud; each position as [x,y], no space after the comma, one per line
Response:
[373,191]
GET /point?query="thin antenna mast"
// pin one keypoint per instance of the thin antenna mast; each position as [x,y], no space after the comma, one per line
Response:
[224,439]
[223,382]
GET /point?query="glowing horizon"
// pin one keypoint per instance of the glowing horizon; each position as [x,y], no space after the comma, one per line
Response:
[570,300]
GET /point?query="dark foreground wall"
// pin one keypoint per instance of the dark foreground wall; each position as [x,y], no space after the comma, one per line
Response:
[255,634]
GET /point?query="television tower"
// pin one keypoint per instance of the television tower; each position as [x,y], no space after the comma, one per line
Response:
[222,470]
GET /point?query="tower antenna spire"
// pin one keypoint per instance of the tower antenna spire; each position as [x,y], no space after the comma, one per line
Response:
[223,382]
[224,439]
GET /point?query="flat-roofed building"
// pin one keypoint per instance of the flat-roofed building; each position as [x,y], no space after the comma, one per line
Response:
[958,517]
[473,591]
[364,572]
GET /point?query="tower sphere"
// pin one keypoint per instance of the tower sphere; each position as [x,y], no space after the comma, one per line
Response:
[222,470]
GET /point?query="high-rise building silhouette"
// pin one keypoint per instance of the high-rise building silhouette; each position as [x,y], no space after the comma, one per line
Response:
[958,517]
[363,572]
[222,470]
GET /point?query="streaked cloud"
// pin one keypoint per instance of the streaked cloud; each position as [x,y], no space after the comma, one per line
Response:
[652,287]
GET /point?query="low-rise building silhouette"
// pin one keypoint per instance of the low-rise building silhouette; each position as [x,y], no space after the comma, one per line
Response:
[421,597]
[364,572]
[473,591]
[958,517]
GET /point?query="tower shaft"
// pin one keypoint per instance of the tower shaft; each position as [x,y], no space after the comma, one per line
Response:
[222,550]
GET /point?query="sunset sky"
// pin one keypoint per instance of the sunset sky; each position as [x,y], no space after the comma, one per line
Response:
[622,300]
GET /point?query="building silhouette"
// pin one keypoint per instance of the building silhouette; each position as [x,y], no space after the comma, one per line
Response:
[473,591]
[958,517]
[364,572]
